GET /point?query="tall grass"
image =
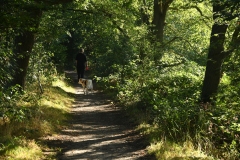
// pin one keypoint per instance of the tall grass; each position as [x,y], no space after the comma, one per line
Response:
[37,115]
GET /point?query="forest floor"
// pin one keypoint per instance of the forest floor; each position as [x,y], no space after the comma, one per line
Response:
[97,130]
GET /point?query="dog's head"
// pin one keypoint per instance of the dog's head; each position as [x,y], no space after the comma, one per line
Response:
[82,81]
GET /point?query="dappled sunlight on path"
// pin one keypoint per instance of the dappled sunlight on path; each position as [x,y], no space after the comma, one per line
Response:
[97,130]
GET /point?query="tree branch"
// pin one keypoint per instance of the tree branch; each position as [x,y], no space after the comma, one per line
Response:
[170,41]
[173,65]
[234,44]
[81,10]
[236,37]
[192,7]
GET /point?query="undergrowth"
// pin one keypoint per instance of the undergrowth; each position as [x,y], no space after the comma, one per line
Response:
[166,105]
[25,117]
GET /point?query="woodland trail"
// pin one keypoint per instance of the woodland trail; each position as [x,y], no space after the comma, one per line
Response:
[97,131]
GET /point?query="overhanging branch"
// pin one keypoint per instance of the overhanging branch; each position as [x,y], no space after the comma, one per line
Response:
[234,44]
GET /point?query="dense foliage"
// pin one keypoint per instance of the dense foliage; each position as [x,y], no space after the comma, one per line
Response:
[159,81]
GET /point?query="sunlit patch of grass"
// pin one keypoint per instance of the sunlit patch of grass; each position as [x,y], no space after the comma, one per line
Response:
[55,106]
[24,149]
[45,115]
[63,85]
[165,150]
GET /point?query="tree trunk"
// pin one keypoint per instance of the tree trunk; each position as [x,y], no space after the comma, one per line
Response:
[25,40]
[215,59]
[159,16]
[23,47]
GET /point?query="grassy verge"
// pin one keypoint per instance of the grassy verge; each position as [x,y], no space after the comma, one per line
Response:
[39,115]
[164,149]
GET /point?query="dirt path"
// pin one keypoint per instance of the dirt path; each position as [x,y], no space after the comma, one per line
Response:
[98,131]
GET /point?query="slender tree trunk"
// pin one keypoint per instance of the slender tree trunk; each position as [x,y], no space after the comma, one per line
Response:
[215,59]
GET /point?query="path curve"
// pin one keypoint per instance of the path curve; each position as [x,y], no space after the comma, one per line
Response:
[97,131]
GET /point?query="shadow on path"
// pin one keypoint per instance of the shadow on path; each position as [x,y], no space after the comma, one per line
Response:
[97,130]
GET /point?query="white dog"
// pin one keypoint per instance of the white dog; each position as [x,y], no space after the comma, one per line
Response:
[86,84]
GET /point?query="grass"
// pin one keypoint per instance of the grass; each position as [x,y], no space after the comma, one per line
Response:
[46,115]
[63,85]
[21,148]
[164,149]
